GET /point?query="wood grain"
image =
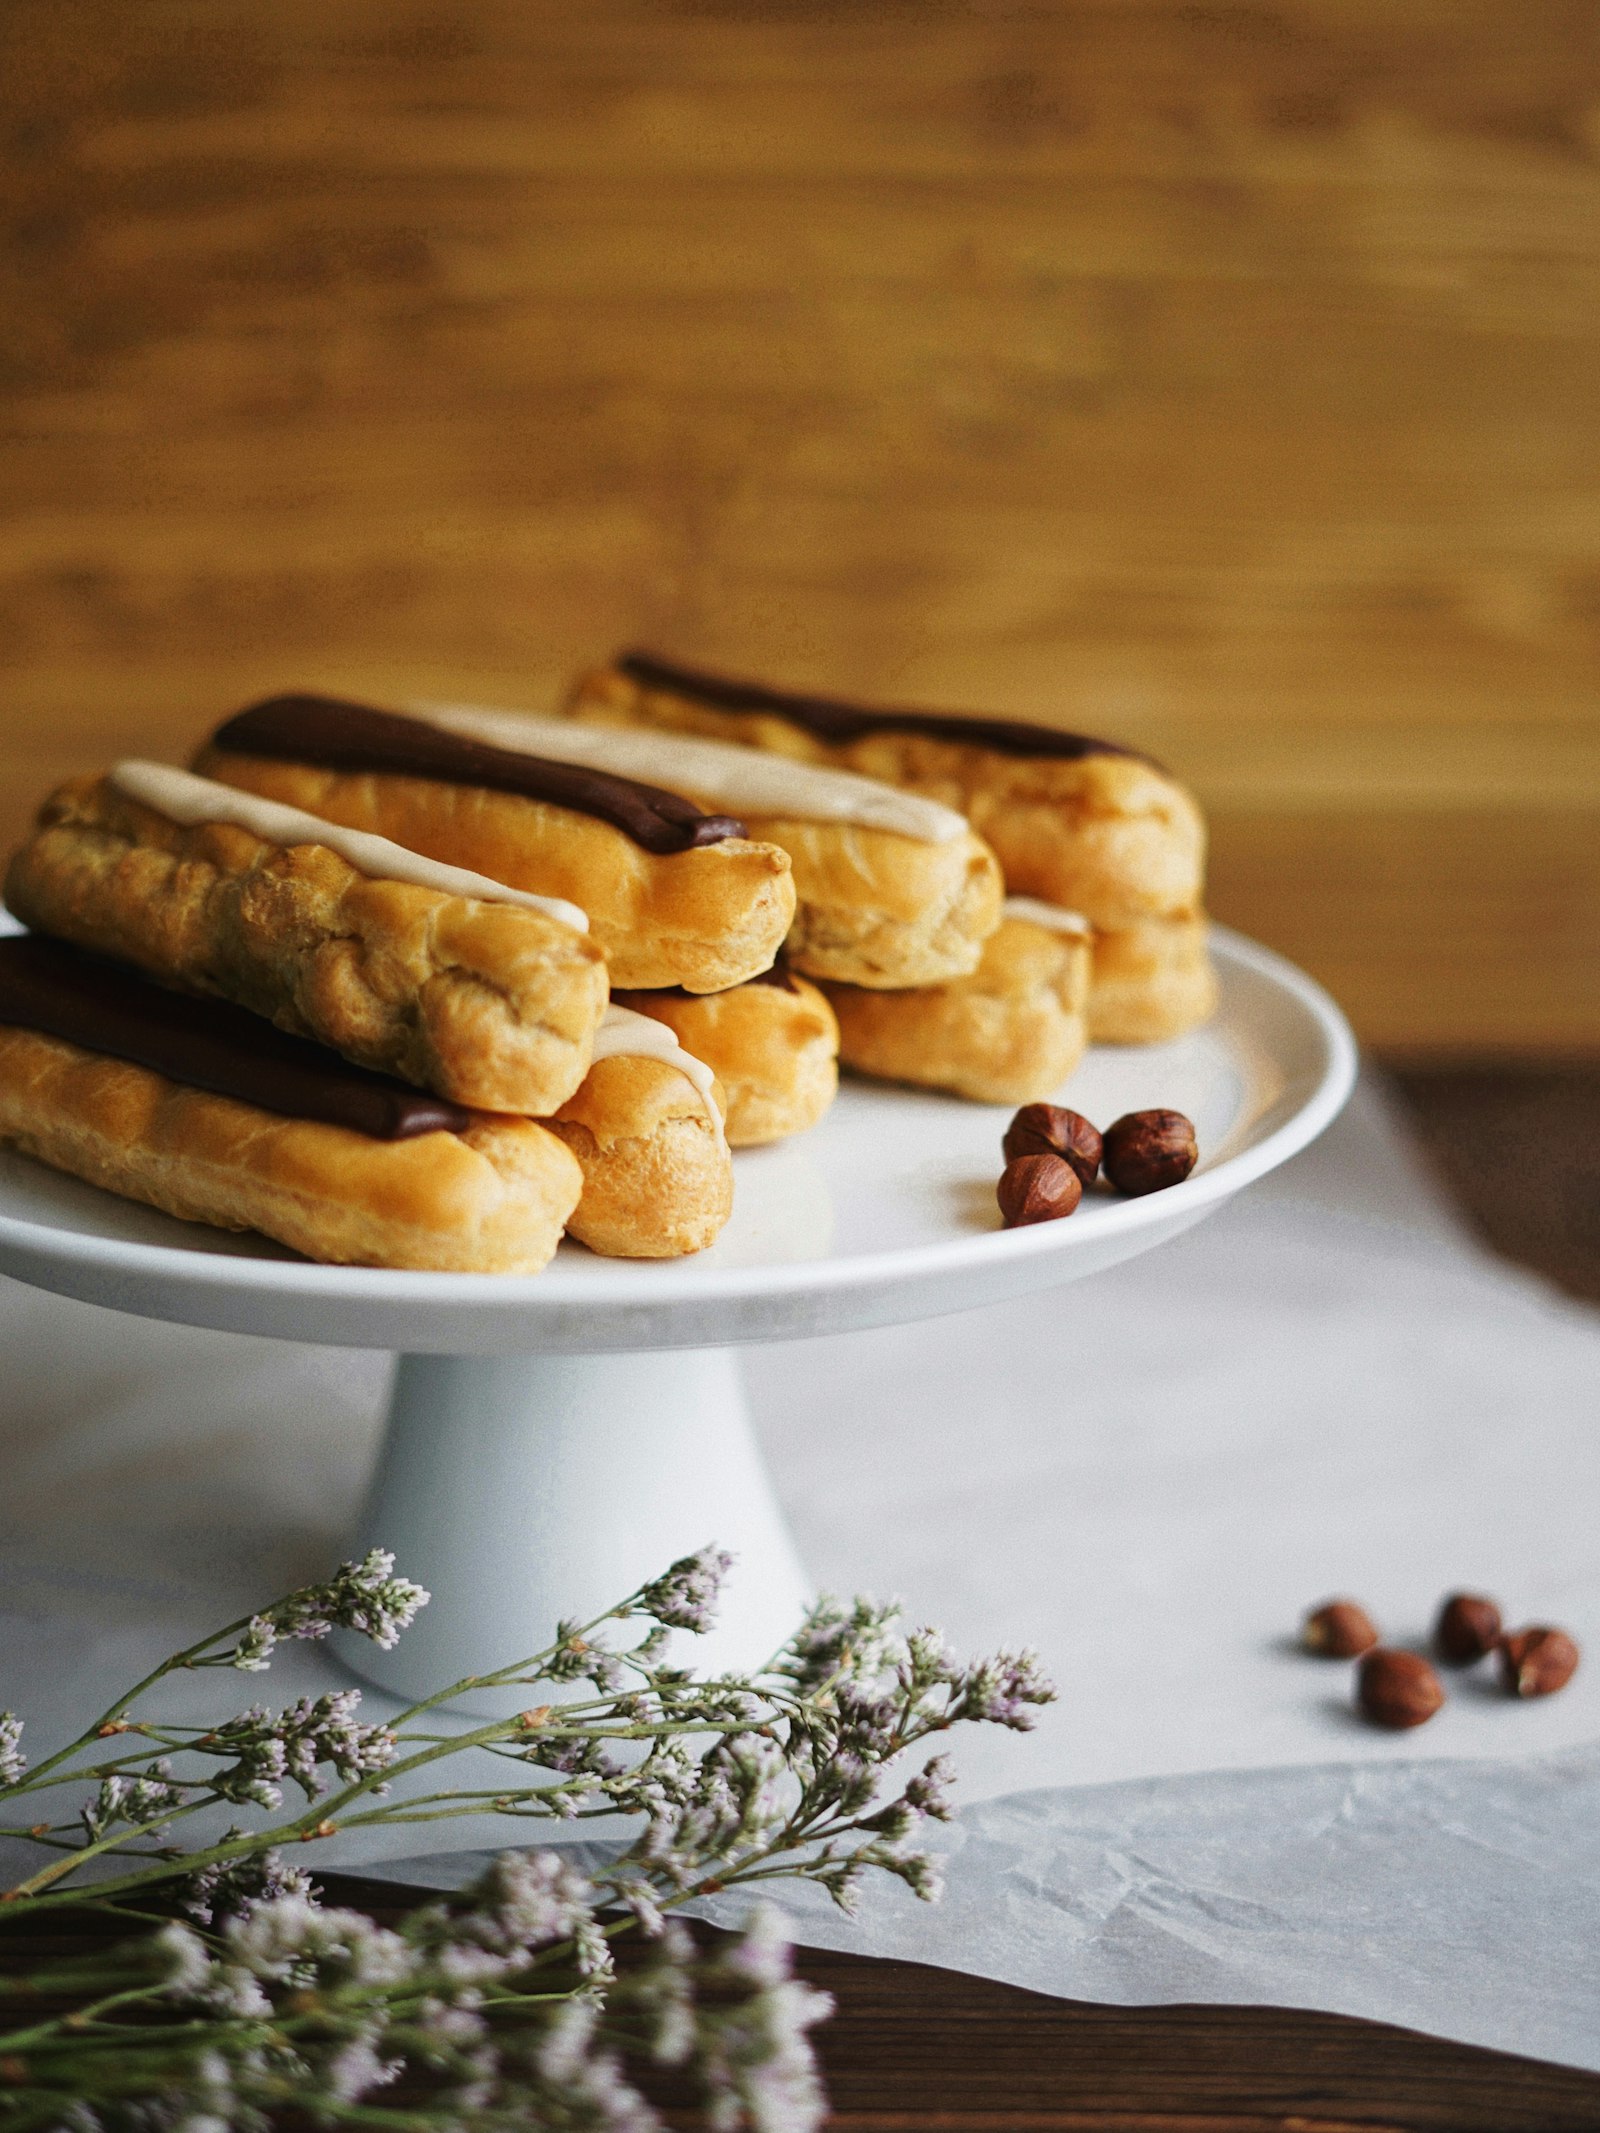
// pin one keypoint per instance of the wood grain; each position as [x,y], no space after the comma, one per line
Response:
[916,2050]
[1221,375]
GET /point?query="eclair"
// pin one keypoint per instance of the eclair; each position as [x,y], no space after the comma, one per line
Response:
[773,1045]
[674,896]
[1009,1034]
[483,993]
[1151,981]
[201,1109]
[646,1128]
[1076,822]
[890,888]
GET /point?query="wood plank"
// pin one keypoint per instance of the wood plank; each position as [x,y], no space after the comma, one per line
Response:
[1221,377]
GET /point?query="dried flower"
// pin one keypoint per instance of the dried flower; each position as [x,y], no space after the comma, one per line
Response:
[686,1597]
[234,1889]
[365,1597]
[262,2002]
[13,1763]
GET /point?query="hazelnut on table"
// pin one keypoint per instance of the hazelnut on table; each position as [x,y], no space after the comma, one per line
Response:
[1397,1689]
[1538,1660]
[1467,1628]
[1338,1629]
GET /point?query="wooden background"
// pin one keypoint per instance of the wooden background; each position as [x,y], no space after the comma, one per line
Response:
[1225,376]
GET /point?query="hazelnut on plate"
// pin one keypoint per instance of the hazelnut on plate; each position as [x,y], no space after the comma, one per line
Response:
[1037,1188]
[1049,1129]
[1146,1151]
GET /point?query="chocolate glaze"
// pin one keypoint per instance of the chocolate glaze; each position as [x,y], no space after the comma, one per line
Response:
[834,718]
[342,736]
[206,1044]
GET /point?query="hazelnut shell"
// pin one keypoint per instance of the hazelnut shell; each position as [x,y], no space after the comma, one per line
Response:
[1147,1151]
[1050,1129]
[1466,1629]
[1338,1629]
[1538,1660]
[1037,1188]
[1397,1689]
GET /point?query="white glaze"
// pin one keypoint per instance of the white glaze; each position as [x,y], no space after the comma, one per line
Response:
[182,797]
[744,781]
[1053,916]
[623,1031]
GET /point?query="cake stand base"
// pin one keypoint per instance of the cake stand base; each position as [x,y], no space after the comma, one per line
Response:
[523,1489]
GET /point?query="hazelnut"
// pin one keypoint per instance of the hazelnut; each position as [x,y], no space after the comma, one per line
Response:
[1037,1188]
[1339,1629]
[1397,1689]
[1047,1129]
[1149,1150]
[1467,1628]
[1537,1661]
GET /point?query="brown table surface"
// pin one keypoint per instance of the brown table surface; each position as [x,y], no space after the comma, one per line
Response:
[912,2047]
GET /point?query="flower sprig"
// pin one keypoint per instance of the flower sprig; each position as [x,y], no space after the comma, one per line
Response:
[239,1995]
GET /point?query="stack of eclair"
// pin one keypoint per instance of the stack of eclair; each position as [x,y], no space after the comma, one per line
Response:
[1099,848]
[429,986]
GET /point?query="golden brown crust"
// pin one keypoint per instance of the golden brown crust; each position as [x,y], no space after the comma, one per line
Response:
[874,908]
[775,1052]
[1151,982]
[657,1179]
[1009,1034]
[490,1004]
[703,919]
[1111,836]
[492,1200]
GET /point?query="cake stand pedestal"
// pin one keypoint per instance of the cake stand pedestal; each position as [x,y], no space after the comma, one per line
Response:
[521,1489]
[554,1440]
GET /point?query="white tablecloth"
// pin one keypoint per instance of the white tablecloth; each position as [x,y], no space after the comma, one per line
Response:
[1327,1388]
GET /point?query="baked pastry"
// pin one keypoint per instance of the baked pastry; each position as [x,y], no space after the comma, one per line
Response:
[773,1044]
[206,1112]
[1009,1034]
[1151,981]
[646,1128]
[674,896]
[481,993]
[1076,822]
[891,889]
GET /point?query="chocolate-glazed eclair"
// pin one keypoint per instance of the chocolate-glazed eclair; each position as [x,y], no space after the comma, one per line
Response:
[204,1111]
[773,1045]
[1077,822]
[481,992]
[1009,1034]
[646,1128]
[674,895]
[891,889]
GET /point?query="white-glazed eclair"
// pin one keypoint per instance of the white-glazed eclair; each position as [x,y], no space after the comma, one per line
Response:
[206,1112]
[480,992]
[773,1045]
[1009,1034]
[646,1128]
[674,895]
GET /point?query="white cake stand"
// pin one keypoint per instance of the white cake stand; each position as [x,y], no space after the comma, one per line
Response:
[555,1439]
